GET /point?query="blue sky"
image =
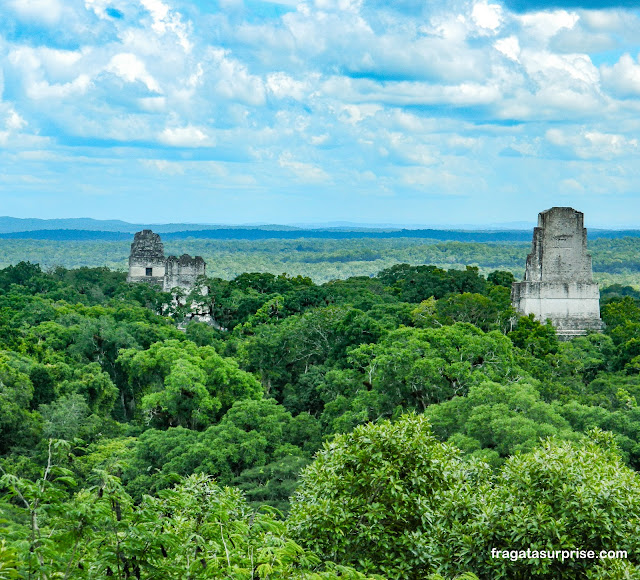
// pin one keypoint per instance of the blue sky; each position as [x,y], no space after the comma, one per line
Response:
[244,111]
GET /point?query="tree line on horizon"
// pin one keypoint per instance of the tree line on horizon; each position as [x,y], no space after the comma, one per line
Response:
[614,260]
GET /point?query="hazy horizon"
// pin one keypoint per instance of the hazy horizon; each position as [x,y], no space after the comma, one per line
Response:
[521,225]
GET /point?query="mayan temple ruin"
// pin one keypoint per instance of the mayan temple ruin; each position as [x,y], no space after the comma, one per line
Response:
[147,263]
[558,281]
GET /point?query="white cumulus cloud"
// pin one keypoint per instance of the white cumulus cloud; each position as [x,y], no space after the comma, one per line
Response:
[45,11]
[131,69]
[232,79]
[166,21]
[14,122]
[305,172]
[487,16]
[44,90]
[591,144]
[509,46]
[188,136]
[623,78]
[282,85]
[541,26]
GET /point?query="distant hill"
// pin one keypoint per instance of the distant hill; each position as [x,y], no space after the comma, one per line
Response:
[88,229]
[11,224]
[15,225]
[343,233]
[246,233]
[68,235]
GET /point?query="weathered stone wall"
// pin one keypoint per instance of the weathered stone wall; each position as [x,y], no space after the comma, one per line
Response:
[147,252]
[183,272]
[559,250]
[140,270]
[558,282]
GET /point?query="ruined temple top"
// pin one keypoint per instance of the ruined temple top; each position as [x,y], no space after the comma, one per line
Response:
[146,244]
[559,249]
[186,259]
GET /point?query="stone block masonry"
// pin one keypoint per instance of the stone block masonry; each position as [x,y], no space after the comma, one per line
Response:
[183,272]
[558,282]
[147,263]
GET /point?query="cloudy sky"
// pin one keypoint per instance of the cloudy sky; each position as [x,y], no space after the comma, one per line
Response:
[245,111]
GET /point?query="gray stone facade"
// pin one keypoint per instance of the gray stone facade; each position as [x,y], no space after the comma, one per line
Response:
[183,272]
[558,282]
[147,263]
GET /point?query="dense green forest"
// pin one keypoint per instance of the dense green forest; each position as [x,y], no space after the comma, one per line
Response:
[394,426]
[322,260]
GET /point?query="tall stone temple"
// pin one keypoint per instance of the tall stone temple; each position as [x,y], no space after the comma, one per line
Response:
[558,281]
[147,263]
